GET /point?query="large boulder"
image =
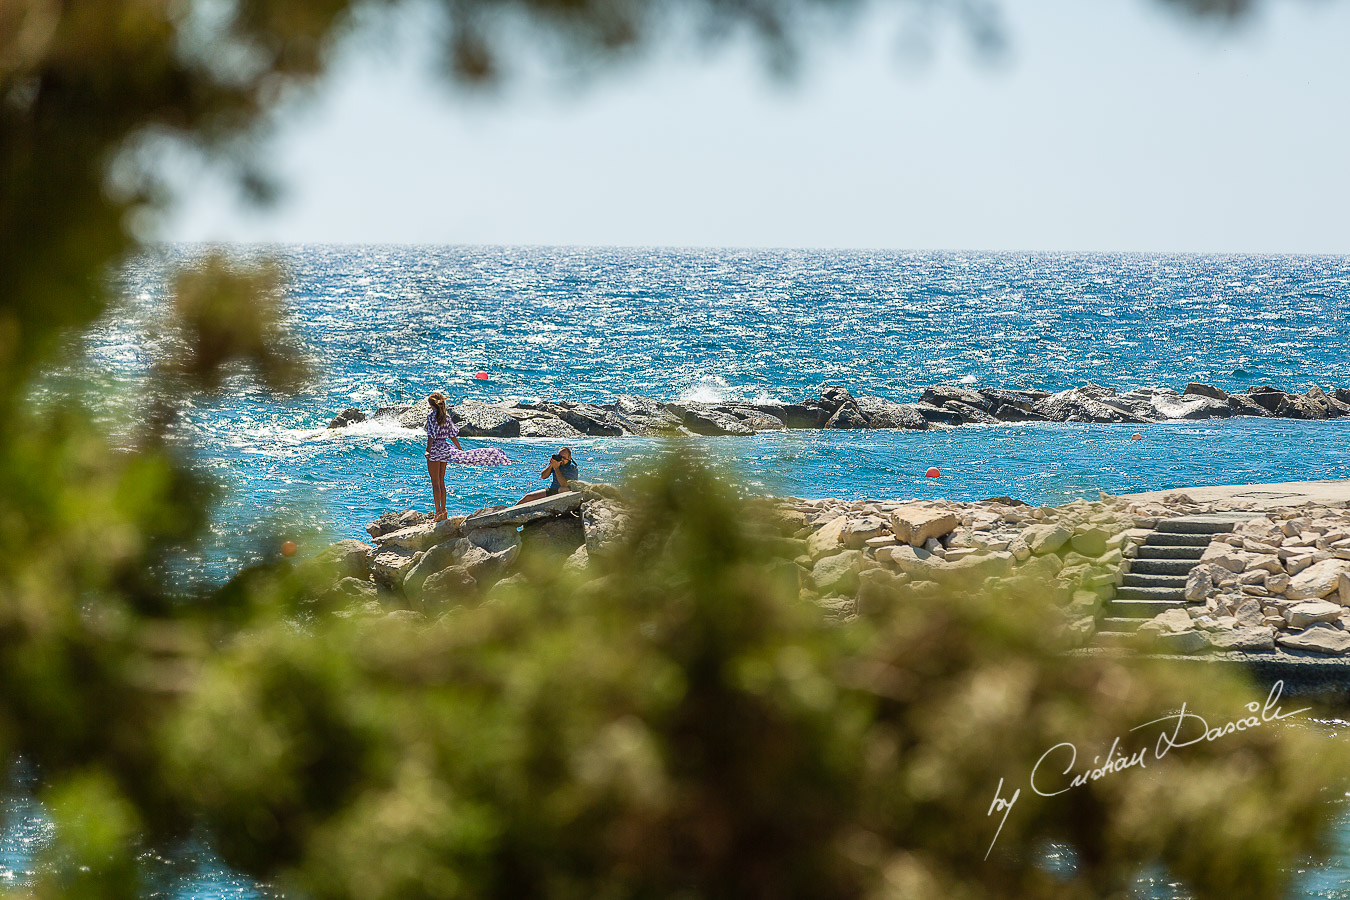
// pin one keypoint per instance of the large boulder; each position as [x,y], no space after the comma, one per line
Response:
[828,537]
[411,416]
[396,521]
[389,567]
[848,415]
[1309,612]
[1318,580]
[1007,412]
[521,513]
[476,419]
[534,423]
[494,538]
[756,420]
[1190,407]
[420,537]
[708,421]
[462,554]
[970,415]
[938,415]
[434,560]
[557,536]
[1196,389]
[347,417]
[1266,397]
[1198,584]
[857,532]
[449,584]
[838,573]
[1043,539]
[1078,405]
[1090,540]
[883,413]
[793,415]
[603,523]
[913,561]
[915,525]
[942,394]
[1319,638]
[586,418]
[1244,405]
[1330,406]
[349,558]
[1138,402]
[644,416]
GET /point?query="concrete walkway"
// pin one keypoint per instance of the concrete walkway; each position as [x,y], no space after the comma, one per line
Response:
[1265,496]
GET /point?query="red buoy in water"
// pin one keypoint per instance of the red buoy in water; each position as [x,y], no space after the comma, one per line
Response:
[1136,436]
[932,473]
[288,548]
[481,376]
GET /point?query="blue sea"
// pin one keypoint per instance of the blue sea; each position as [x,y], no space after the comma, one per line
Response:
[386,325]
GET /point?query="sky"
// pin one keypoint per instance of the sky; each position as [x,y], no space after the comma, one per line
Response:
[1107,125]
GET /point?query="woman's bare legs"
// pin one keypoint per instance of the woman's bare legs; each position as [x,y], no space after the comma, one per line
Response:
[437,472]
[533,495]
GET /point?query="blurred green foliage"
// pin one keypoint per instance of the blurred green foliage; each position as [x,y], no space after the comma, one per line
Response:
[695,731]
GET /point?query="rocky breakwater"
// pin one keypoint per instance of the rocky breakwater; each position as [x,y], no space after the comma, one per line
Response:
[419,568]
[1278,581]
[861,557]
[836,407]
[849,558]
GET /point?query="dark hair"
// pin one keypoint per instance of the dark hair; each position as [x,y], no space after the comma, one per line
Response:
[567,450]
[438,403]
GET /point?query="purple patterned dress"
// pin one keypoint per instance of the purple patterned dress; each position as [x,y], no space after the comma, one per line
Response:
[441,451]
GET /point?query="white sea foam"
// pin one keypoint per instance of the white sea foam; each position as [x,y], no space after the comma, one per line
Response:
[708,389]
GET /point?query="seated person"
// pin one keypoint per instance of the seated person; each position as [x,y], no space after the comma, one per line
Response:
[563,470]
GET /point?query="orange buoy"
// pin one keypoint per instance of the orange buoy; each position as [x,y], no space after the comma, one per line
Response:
[932,472]
[481,376]
[1136,436]
[288,548]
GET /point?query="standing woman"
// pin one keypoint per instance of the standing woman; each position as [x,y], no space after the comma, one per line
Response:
[440,433]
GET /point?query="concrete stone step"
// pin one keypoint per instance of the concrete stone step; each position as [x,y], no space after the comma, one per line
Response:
[1171,595]
[1113,639]
[1166,552]
[1176,539]
[1197,525]
[1118,623]
[1140,609]
[1180,567]
[1142,580]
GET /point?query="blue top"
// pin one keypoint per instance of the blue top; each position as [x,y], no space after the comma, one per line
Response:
[568,470]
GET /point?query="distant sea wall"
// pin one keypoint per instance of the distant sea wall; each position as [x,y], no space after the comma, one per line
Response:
[836,407]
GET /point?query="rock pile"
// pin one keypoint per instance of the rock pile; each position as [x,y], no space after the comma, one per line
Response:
[836,407]
[850,558]
[860,556]
[419,567]
[1279,579]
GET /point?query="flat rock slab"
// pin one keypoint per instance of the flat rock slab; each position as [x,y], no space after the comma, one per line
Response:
[1319,638]
[526,512]
[420,537]
[1288,493]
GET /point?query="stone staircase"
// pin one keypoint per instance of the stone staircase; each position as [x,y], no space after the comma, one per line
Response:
[1155,579]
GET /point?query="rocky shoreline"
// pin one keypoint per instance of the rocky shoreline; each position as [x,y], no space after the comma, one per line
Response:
[1270,586]
[836,407]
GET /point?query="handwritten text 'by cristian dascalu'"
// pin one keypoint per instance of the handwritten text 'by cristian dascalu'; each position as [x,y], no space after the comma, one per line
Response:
[1051,776]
